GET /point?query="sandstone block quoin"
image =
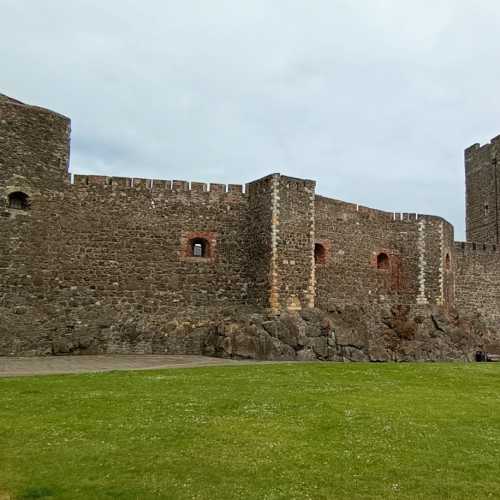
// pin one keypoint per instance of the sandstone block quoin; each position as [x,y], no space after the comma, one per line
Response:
[266,270]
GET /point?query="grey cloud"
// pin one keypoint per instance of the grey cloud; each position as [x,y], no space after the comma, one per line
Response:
[375,99]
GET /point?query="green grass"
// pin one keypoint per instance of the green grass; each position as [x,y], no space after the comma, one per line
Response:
[279,431]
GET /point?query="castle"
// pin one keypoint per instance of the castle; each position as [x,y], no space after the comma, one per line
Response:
[80,254]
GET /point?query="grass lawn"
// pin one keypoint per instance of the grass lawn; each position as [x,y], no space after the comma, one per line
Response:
[279,431]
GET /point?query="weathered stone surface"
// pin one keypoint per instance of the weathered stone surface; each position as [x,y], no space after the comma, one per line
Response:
[107,265]
[377,353]
[382,343]
[306,354]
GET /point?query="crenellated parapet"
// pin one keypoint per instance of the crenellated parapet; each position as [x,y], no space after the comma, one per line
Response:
[483,153]
[471,248]
[155,184]
[348,210]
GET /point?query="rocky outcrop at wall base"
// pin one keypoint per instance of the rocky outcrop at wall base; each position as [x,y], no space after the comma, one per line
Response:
[400,334]
[351,333]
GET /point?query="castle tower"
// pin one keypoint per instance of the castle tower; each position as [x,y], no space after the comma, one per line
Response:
[482,181]
[281,242]
[34,150]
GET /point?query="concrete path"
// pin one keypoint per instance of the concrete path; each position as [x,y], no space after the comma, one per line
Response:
[20,366]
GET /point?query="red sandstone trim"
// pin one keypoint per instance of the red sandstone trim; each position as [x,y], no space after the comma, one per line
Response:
[186,250]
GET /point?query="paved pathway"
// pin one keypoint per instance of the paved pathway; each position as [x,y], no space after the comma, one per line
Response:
[19,366]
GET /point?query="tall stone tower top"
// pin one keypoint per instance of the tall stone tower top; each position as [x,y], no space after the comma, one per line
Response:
[482,182]
[34,148]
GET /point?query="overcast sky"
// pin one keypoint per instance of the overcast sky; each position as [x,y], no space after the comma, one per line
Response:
[374,99]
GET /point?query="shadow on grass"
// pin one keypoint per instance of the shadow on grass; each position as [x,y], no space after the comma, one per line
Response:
[37,492]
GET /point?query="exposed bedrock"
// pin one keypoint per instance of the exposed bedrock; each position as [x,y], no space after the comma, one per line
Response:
[351,333]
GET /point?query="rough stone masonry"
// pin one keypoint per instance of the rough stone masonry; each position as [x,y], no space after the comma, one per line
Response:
[270,270]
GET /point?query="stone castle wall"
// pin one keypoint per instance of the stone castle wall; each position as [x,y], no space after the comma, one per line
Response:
[354,236]
[477,284]
[106,264]
[126,248]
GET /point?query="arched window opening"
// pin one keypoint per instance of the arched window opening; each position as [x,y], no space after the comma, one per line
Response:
[382,261]
[319,253]
[199,247]
[19,200]
[447,262]
[486,210]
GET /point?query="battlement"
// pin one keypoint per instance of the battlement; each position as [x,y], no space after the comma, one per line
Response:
[82,180]
[486,151]
[263,184]
[376,214]
[155,184]
[471,248]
